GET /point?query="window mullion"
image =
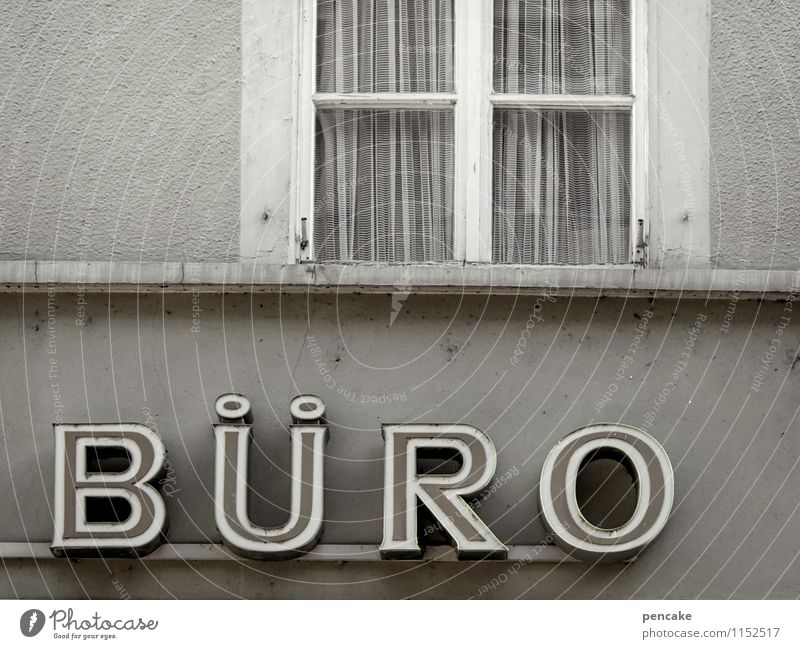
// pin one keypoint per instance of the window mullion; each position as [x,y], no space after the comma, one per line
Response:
[386,100]
[471,120]
[564,102]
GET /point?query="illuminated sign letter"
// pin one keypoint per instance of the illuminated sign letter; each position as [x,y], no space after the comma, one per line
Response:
[304,527]
[651,470]
[442,494]
[102,471]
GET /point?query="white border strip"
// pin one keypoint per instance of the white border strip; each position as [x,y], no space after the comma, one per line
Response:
[350,553]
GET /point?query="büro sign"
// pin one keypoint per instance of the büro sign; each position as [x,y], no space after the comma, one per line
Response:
[88,467]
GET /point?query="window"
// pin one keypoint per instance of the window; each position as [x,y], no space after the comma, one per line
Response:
[507,132]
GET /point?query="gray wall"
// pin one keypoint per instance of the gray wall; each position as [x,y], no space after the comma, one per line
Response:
[119,135]
[119,130]
[734,448]
[755,135]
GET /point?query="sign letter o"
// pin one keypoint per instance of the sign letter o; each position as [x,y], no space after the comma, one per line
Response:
[651,471]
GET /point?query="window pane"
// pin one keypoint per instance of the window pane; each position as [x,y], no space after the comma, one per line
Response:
[384,186]
[580,47]
[385,46]
[561,192]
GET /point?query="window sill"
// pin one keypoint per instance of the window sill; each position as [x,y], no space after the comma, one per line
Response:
[476,279]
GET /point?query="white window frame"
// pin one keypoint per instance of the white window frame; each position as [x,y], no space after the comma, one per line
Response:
[473,103]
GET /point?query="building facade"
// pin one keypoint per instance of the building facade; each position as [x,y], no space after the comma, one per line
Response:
[192,204]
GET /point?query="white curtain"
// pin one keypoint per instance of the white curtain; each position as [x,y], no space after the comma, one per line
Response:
[561,190]
[384,179]
[384,184]
[384,46]
[580,47]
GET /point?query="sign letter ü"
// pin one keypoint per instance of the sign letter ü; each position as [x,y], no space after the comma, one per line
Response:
[304,527]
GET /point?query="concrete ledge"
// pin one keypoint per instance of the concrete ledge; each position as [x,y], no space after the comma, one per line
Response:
[336,553]
[133,277]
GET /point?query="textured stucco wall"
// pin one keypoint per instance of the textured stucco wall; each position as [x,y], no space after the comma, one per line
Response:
[755,134]
[733,444]
[119,129]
